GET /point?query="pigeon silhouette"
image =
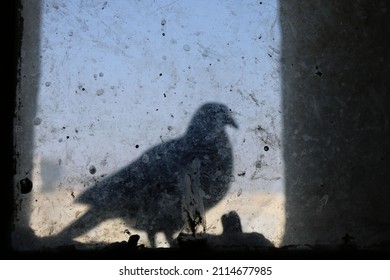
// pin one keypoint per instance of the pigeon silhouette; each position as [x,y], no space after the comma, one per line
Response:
[170,185]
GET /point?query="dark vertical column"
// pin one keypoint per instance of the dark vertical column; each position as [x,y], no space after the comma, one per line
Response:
[27,86]
[11,50]
[336,83]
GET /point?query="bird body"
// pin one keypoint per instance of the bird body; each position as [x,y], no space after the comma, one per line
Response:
[151,193]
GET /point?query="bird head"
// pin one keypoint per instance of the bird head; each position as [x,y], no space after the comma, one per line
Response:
[212,117]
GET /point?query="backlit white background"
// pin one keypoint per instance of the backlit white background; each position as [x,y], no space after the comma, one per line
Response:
[116,74]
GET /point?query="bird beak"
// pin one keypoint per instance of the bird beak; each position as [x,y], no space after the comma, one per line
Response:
[232,122]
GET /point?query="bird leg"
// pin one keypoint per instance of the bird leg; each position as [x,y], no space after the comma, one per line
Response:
[192,203]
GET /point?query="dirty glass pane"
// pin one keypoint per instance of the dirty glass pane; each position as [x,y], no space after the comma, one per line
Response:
[149,119]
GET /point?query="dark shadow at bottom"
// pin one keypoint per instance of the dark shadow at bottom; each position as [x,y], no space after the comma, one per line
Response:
[231,244]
